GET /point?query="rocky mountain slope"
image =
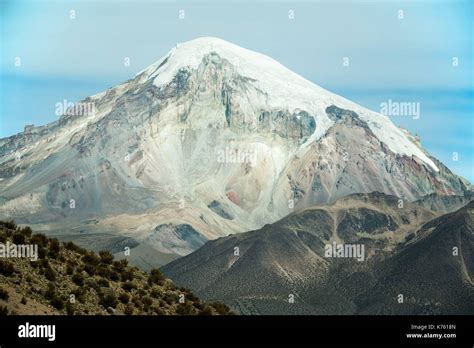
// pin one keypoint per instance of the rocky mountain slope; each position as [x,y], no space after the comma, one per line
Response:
[67,279]
[212,139]
[408,250]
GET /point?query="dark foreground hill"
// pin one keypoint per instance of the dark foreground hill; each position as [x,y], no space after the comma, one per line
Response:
[67,279]
[416,262]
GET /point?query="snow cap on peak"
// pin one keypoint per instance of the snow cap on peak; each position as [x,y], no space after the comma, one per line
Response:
[191,53]
[285,90]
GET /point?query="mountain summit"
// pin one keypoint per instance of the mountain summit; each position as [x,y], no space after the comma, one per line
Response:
[212,139]
[284,89]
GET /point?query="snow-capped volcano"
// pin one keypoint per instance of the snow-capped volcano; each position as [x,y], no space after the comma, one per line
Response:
[284,89]
[210,140]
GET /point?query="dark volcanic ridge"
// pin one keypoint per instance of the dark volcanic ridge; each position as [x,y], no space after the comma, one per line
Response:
[412,255]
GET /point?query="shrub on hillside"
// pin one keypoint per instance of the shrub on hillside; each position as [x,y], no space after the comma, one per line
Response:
[155,277]
[6,268]
[170,298]
[128,309]
[109,300]
[27,231]
[103,271]
[147,301]
[129,286]
[54,245]
[79,294]
[103,282]
[114,276]
[57,302]
[69,269]
[18,238]
[120,265]
[127,275]
[185,309]
[73,247]
[50,274]
[106,257]
[3,310]
[70,308]
[206,310]
[43,263]
[156,293]
[91,259]
[93,284]
[9,224]
[191,297]
[90,269]
[158,311]
[137,301]
[41,252]
[3,294]
[220,308]
[54,248]
[50,292]
[40,239]
[78,279]
[124,297]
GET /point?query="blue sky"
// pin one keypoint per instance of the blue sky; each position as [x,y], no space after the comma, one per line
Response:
[405,60]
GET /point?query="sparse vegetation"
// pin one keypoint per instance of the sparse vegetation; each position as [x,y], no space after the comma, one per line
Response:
[90,269]
[3,310]
[3,294]
[50,274]
[54,248]
[221,308]
[57,302]
[127,275]
[18,238]
[124,297]
[129,286]
[27,231]
[106,257]
[128,309]
[103,282]
[78,279]
[68,279]
[9,225]
[50,292]
[6,268]
[69,269]
[69,308]
[155,277]
[40,239]
[185,309]
[109,300]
